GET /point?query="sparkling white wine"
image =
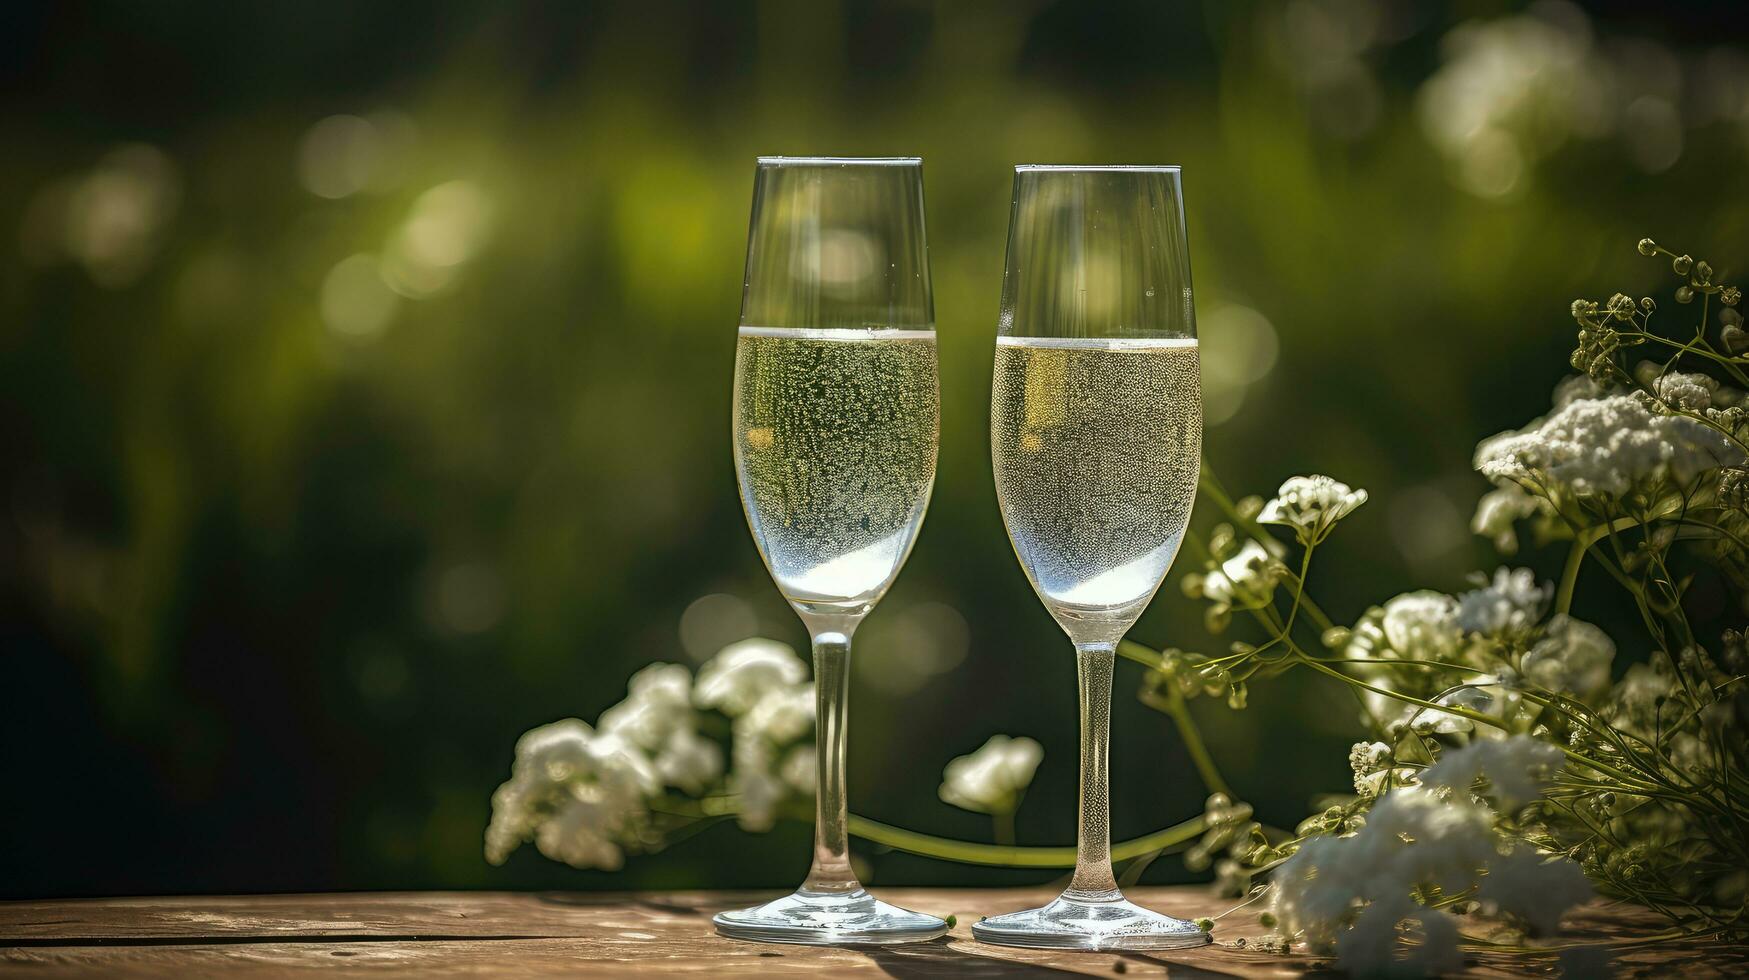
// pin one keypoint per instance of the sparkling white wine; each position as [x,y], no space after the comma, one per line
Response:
[1096,445]
[835,442]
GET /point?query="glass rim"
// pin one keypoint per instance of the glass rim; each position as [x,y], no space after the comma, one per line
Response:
[1159,168]
[783,161]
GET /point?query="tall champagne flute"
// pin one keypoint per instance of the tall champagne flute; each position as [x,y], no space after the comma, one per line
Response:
[1096,436]
[836,411]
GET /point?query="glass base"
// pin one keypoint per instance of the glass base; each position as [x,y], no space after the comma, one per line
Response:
[829,919]
[1070,923]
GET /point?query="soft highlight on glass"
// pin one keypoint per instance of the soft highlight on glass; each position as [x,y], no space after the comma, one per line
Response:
[1096,438]
[836,412]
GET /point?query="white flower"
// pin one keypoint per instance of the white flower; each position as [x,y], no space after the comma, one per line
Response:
[658,702]
[1688,392]
[1537,888]
[1573,657]
[992,779]
[1246,580]
[782,715]
[1311,505]
[800,769]
[1515,768]
[1369,948]
[1497,512]
[1606,445]
[1373,772]
[1412,838]
[1510,604]
[760,791]
[689,761]
[1422,626]
[575,792]
[742,673]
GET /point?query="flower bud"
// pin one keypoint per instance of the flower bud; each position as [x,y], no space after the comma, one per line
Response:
[1221,540]
[1734,338]
[1703,273]
[1337,636]
[1647,304]
[1682,263]
[1730,317]
[1249,507]
[1684,294]
[1647,246]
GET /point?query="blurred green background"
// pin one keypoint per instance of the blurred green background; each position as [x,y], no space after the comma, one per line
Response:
[367,366]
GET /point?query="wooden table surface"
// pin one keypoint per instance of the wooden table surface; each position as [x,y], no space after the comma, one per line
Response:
[456,933]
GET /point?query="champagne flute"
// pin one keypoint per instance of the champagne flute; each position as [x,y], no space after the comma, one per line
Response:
[836,410]
[1096,437]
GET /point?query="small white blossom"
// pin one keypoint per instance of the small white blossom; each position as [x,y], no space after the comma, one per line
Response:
[1688,392]
[1311,505]
[1423,626]
[800,769]
[576,793]
[758,786]
[1573,657]
[1508,605]
[742,673]
[1246,580]
[1606,445]
[1373,772]
[1412,838]
[1352,895]
[1515,768]
[1370,947]
[689,761]
[658,702]
[781,716]
[1498,512]
[992,779]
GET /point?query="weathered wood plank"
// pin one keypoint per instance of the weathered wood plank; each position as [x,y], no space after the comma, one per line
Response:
[462,933]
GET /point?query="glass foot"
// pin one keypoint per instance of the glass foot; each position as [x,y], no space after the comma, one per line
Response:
[1069,923]
[829,919]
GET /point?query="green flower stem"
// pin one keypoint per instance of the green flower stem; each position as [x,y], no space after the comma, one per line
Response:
[1570,573]
[1629,781]
[1210,484]
[1174,707]
[996,855]
[1003,826]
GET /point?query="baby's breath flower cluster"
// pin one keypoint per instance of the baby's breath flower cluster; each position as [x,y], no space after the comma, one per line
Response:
[1511,765]
[1421,850]
[586,796]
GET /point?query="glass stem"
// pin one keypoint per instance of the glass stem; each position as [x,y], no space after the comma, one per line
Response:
[831,872]
[1093,881]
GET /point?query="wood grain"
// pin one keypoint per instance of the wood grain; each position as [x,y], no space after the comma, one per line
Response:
[474,933]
